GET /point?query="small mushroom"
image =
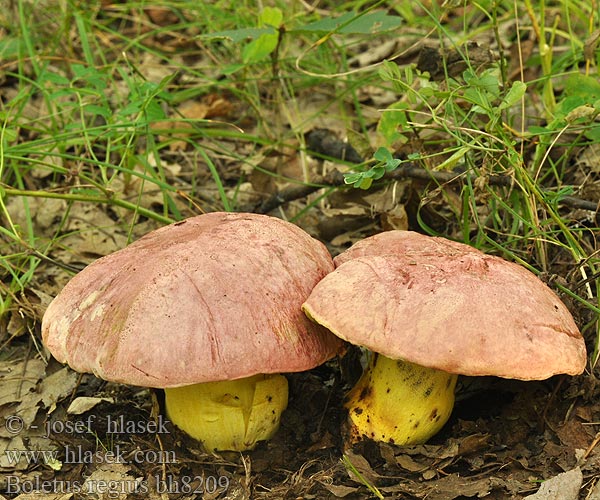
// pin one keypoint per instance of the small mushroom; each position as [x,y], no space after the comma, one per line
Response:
[208,309]
[429,309]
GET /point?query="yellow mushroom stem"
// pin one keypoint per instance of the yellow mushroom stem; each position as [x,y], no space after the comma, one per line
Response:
[399,402]
[231,414]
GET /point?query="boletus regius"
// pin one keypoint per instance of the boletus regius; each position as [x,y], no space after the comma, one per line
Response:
[429,309]
[209,309]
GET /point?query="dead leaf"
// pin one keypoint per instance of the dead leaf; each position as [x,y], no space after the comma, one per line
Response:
[361,464]
[573,434]
[565,486]
[85,403]
[473,443]
[396,218]
[589,48]
[19,378]
[594,493]
[445,488]
[47,496]
[109,481]
[339,490]
[57,386]
[163,16]
[181,124]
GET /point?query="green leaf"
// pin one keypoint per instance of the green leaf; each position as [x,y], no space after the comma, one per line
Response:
[586,87]
[514,95]
[353,23]
[230,69]
[55,78]
[364,183]
[568,104]
[392,120]
[10,47]
[353,177]
[155,112]
[358,180]
[364,180]
[241,35]
[79,70]
[487,82]
[378,172]
[490,84]
[94,109]
[450,163]
[479,99]
[537,130]
[9,134]
[59,94]
[383,155]
[271,16]
[390,71]
[260,48]
[593,133]
[131,109]
[387,162]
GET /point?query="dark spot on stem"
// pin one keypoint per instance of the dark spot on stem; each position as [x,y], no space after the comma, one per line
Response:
[364,393]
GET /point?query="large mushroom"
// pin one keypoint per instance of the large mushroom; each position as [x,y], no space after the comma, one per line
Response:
[209,309]
[429,309]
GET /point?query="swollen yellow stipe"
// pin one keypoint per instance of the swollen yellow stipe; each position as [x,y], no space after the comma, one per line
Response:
[229,415]
[399,402]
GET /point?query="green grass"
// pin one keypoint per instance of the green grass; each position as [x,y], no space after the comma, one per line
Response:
[91,117]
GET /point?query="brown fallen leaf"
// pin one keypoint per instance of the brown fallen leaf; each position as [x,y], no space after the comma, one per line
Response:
[340,490]
[565,486]
[361,464]
[445,488]
[180,125]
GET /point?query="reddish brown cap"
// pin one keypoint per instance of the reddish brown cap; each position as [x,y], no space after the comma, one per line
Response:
[448,306]
[213,297]
[405,242]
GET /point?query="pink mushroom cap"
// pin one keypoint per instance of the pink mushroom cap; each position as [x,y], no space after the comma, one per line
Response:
[214,297]
[446,305]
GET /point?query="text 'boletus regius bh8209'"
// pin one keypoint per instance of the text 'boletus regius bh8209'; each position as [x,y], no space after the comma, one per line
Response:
[209,309]
[429,309]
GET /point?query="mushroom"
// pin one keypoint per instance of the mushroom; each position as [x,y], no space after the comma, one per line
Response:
[430,309]
[209,309]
